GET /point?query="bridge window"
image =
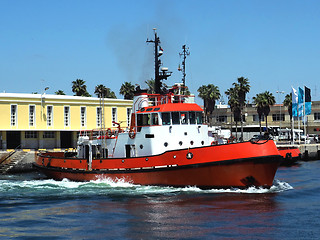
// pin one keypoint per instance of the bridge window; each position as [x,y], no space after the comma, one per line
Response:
[192,117]
[184,117]
[143,120]
[165,118]
[199,117]
[154,119]
[175,118]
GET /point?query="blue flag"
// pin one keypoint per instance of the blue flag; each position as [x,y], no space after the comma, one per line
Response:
[300,102]
[307,100]
[294,103]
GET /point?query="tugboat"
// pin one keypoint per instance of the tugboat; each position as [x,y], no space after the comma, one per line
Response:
[167,144]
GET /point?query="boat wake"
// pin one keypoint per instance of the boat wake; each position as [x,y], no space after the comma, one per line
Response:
[107,186]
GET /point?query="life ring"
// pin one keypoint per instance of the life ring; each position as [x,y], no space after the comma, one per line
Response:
[132,133]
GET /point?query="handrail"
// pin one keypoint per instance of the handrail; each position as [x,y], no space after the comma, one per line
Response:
[10,154]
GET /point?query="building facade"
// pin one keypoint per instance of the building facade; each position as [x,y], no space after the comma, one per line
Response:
[44,121]
[277,118]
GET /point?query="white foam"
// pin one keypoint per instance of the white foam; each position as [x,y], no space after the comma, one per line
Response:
[121,184]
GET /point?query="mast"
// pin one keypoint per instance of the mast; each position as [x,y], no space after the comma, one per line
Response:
[184,53]
[164,74]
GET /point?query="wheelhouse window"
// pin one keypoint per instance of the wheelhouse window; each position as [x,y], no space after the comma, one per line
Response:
[166,119]
[13,115]
[175,118]
[192,117]
[154,119]
[143,120]
[32,115]
[199,117]
[184,117]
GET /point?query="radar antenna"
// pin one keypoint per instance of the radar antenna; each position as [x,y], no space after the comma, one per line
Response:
[164,74]
[185,52]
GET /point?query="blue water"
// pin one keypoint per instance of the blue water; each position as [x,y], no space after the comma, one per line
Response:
[32,207]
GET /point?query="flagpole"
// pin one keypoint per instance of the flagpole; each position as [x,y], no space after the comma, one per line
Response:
[292,130]
[299,127]
[304,117]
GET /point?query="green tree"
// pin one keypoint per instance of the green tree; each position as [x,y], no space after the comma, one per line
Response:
[243,88]
[127,90]
[79,88]
[209,94]
[269,100]
[151,86]
[103,92]
[233,102]
[59,92]
[288,103]
[259,101]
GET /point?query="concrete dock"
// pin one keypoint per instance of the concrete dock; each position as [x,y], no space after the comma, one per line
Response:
[308,151]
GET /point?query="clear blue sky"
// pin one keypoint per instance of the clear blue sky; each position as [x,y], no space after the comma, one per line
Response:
[275,44]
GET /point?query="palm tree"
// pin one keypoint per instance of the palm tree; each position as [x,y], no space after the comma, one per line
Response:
[233,102]
[151,88]
[288,103]
[269,101]
[209,94]
[243,89]
[127,90]
[259,101]
[103,92]
[79,88]
[59,92]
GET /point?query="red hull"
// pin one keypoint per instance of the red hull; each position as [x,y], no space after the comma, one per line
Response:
[231,165]
[290,155]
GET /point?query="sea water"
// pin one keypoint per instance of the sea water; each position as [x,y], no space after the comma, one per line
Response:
[34,207]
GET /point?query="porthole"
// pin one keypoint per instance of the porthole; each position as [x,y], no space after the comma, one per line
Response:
[141,146]
[191,142]
[180,143]
[165,144]
[202,142]
[122,161]
[189,155]
[147,159]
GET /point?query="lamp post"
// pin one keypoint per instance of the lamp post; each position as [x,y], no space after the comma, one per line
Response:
[280,92]
[44,92]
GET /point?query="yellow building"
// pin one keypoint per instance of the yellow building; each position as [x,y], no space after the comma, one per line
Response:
[38,121]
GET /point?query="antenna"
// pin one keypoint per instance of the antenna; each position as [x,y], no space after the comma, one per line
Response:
[164,74]
[184,53]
